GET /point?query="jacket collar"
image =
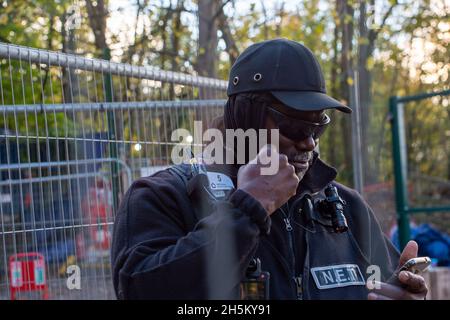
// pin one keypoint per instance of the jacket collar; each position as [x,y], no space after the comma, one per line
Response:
[318,176]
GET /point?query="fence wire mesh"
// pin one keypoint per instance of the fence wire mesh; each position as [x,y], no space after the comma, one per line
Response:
[74,133]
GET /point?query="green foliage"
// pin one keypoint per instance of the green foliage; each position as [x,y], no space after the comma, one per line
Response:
[410,55]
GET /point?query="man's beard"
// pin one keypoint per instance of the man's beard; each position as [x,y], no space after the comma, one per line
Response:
[301,162]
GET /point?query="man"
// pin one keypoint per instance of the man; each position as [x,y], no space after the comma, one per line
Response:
[286,235]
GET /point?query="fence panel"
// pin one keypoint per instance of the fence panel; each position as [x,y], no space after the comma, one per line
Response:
[74,133]
[421,156]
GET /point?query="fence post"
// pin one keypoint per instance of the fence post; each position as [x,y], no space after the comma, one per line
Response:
[111,133]
[400,169]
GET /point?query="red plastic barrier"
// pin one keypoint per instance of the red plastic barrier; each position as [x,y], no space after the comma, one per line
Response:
[27,273]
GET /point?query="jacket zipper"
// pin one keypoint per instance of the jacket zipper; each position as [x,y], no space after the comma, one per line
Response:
[298,283]
[289,229]
[297,280]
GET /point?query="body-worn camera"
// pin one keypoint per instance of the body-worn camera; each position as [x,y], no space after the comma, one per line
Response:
[333,207]
[255,286]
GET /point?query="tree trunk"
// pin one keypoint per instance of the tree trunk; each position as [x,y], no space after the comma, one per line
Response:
[379,149]
[265,26]
[365,51]
[281,14]
[164,39]
[175,36]
[345,12]
[175,39]
[49,47]
[207,42]
[97,20]
[231,46]
[207,46]
[333,129]
[364,84]
[70,83]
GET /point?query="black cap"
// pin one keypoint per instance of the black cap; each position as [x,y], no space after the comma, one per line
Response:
[288,70]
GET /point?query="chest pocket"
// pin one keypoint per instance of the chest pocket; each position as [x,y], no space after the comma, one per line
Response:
[335,266]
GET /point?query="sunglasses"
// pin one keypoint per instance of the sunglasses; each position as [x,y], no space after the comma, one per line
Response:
[297,129]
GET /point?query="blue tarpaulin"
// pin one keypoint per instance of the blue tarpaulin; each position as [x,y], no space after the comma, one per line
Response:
[432,243]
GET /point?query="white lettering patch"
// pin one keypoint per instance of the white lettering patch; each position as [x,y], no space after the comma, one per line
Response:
[337,276]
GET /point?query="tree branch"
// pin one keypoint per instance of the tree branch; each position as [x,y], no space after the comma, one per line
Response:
[373,34]
[220,10]
[227,37]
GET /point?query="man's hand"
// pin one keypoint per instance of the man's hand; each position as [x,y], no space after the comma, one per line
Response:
[272,191]
[414,288]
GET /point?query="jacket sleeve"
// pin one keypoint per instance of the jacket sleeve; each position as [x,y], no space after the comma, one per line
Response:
[156,256]
[382,252]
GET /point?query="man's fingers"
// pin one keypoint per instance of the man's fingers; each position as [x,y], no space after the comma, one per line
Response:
[389,290]
[414,282]
[396,293]
[409,252]
[262,155]
[265,154]
[267,151]
[290,169]
[374,296]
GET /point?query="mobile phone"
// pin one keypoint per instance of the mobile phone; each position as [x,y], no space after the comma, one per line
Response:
[416,265]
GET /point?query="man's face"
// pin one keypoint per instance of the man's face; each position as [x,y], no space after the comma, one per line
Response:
[299,152]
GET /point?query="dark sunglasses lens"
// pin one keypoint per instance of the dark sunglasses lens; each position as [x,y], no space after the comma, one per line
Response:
[319,131]
[303,131]
[297,130]
[294,133]
[301,135]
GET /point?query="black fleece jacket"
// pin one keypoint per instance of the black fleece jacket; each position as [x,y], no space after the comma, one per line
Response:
[163,249]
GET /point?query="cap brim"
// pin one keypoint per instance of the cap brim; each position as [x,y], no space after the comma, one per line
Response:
[309,101]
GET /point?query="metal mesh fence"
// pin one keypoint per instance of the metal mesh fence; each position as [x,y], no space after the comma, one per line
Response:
[421,155]
[427,133]
[74,133]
